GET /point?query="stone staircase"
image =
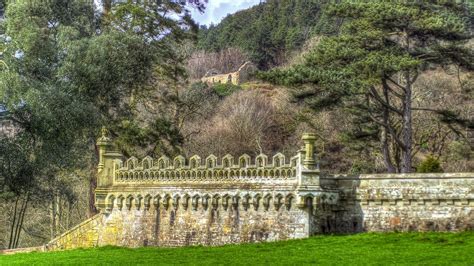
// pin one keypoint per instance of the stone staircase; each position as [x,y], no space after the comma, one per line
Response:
[83,235]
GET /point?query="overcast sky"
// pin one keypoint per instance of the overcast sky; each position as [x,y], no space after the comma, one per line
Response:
[216,10]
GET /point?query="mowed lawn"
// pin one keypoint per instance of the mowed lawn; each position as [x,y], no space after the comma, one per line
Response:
[360,249]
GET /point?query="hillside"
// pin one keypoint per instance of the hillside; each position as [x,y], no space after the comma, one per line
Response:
[268,32]
[277,33]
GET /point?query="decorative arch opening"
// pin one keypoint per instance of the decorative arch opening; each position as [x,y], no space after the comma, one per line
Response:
[146,164]
[161,164]
[277,162]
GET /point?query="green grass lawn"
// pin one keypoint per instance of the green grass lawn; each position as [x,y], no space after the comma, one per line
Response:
[360,249]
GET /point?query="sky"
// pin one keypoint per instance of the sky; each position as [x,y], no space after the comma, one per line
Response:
[216,10]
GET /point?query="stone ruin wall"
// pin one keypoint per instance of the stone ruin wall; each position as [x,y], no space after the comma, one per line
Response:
[182,202]
[232,78]
[238,77]
[7,127]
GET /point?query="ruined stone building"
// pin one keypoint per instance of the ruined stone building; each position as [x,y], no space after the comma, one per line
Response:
[217,201]
[7,126]
[243,74]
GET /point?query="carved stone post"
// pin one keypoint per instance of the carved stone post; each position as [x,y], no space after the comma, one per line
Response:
[108,158]
[309,161]
[103,143]
[308,173]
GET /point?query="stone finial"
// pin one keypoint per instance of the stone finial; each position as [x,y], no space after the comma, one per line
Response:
[104,135]
[308,140]
[103,142]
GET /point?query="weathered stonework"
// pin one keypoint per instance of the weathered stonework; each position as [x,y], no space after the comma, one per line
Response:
[401,202]
[7,126]
[179,202]
[240,76]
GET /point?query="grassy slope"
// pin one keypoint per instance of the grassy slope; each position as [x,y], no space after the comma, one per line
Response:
[361,249]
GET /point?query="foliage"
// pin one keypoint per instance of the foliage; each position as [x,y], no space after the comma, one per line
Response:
[225,89]
[429,165]
[371,248]
[371,66]
[68,72]
[269,31]
[247,121]
[361,167]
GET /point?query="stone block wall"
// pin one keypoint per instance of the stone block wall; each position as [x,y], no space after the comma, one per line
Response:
[196,201]
[401,202]
[172,218]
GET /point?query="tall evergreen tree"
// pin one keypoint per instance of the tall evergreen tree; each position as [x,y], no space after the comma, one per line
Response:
[374,62]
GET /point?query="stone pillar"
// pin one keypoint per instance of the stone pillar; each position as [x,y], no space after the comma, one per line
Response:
[307,172]
[103,143]
[108,158]
[309,160]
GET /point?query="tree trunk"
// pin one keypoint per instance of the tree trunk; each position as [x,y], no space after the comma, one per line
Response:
[12,234]
[384,136]
[52,217]
[57,219]
[68,217]
[407,126]
[107,5]
[21,218]
[93,183]
[386,152]
[17,223]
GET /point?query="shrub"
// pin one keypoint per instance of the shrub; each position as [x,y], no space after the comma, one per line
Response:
[225,89]
[361,167]
[429,165]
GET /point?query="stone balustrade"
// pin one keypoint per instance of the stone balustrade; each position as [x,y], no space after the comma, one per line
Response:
[194,169]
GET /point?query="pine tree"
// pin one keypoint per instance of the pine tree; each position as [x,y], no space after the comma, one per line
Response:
[374,62]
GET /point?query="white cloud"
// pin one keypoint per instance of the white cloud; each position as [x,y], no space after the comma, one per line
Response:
[216,10]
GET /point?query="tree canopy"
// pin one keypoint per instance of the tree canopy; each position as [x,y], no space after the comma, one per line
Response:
[268,32]
[66,71]
[372,64]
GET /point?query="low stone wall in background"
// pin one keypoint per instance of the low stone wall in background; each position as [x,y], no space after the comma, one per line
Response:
[402,202]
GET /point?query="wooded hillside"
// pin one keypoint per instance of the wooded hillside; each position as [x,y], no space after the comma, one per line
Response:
[270,31]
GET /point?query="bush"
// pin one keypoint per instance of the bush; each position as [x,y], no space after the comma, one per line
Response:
[225,89]
[429,165]
[361,167]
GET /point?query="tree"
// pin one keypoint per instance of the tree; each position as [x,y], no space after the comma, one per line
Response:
[268,32]
[116,80]
[68,74]
[16,184]
[372,64]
